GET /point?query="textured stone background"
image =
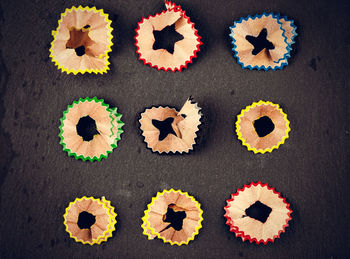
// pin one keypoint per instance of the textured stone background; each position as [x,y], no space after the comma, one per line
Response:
[311,169]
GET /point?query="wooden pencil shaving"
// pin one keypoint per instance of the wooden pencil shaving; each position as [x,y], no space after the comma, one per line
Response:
[89,220]
[90,129]
[173,216]
[82,41]
[263,41]
[262,127]
[257,213]
[166,130]
[184,50]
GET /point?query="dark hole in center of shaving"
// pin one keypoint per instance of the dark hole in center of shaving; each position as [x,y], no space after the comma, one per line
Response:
[79,40]
[175,218]
[80,50]
[165,128]
[263,126]
[86,128]
[260,42]
[86,220]
[166,38]
[258,211]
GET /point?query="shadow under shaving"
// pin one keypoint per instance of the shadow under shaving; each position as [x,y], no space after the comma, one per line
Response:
[296,46]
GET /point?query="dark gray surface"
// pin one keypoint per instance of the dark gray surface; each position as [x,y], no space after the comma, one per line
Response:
[311,169]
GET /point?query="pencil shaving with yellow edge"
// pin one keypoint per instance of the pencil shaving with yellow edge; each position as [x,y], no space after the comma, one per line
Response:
[262,127]
[82,41]
[173,216]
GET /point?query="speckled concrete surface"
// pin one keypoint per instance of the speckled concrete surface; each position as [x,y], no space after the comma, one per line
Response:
[311,169]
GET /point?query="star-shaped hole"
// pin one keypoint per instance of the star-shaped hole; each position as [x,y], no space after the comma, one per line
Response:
[258,211]
[175,216]
[166,127]
[166,38]
[260,42]
[86,128]
[86,220]
[263,126]
[79,40]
